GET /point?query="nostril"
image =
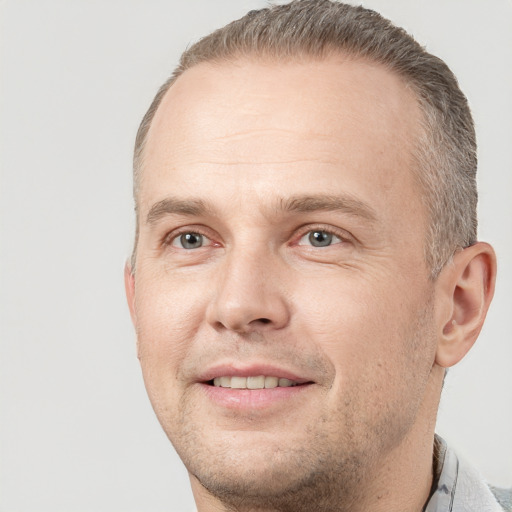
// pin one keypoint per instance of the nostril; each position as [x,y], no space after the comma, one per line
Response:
[264,320]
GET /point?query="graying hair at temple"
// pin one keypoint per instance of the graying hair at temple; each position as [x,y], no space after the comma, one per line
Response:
[445,152]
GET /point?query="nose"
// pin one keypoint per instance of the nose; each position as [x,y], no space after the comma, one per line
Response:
[250,294]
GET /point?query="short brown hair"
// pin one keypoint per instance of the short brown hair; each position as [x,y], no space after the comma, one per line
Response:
[445,152]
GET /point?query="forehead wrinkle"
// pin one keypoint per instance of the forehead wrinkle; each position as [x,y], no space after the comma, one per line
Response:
[255,132]
[261,162]
[249,133]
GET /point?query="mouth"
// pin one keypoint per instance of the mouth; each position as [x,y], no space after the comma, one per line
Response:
[253,387]
[253,382]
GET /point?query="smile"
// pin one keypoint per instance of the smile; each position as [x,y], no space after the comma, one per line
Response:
[253,387]
[256,382]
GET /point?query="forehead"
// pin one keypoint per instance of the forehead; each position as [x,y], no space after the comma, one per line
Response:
[306,119]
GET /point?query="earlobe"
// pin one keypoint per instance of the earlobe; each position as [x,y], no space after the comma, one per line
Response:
[129,286]
[467,286]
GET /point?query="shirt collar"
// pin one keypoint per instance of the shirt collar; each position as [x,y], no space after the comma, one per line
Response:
[457,486]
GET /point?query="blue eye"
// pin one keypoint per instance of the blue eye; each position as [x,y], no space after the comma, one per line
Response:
[189,240]
[319,238]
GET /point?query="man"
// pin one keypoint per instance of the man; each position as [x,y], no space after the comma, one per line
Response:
[306,264]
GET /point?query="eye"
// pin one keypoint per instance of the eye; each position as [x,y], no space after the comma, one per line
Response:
[190,240]
[319,238]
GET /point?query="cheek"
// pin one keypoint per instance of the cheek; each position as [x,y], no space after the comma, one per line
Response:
[168,317]
[364,328]
[379,347]
[342,314]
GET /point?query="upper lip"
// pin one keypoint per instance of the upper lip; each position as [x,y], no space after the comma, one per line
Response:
[249,370]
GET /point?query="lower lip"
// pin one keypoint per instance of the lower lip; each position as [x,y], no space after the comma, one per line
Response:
[251,399]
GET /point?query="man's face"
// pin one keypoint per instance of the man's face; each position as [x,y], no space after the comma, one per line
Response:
[282,237]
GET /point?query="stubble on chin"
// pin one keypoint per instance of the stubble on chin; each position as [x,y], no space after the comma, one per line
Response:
[305,481]
[316,471]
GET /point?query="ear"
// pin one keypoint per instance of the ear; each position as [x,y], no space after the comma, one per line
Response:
[129,286]
[466,286]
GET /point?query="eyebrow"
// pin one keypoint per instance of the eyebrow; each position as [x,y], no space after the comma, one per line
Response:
[300,204]
[171,205]
[344,203]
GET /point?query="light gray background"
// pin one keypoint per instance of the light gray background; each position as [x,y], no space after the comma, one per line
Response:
[77,431]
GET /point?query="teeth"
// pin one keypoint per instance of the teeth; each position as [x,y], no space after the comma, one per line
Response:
[257,382]
[225,382]
[271,382]
[238,382]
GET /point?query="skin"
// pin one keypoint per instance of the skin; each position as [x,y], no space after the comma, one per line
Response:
[254,156]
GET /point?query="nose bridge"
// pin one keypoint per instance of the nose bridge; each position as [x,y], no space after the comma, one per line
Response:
[250,290]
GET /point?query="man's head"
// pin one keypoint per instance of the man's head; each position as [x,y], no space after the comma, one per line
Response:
[445,148]
[283,209]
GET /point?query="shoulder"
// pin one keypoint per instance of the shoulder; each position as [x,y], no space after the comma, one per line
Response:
[503,497]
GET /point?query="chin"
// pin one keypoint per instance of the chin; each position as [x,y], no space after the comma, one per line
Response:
[256,460]
[261,485]
[265,471]
[293,481]
[247,463]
